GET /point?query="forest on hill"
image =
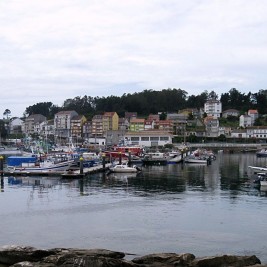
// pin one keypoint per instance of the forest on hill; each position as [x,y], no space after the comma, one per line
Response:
[152,102]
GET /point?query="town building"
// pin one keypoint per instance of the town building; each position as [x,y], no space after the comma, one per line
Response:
[15,126]
[213,108]
[245,121]
[110,121]
[97,125]
[230,112]
[137,125]
[212,126]
[153,138]
[253,113]
[31,124]
[76,127]
[62,122]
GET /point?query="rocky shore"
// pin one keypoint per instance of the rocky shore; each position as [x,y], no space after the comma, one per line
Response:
[19,256]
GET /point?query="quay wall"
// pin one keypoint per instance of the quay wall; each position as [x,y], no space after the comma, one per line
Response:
[228,147]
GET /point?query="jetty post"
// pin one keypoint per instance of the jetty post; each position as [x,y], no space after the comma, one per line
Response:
[104,161]
[130,158]
[120,156]
[2,165]
[81,165]
[2,171]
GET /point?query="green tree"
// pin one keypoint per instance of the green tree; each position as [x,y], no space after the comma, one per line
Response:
[46,109]
[7,113]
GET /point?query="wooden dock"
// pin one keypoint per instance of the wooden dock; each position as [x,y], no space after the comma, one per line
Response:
[72,173]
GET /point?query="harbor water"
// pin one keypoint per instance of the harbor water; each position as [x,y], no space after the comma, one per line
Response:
[200,209]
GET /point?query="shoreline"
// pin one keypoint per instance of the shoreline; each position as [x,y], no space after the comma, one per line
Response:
[19,256]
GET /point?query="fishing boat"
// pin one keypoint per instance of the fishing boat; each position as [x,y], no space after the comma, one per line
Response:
[55,163]
[155,158]
[89,159]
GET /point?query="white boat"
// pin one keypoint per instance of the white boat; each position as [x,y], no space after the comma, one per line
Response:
[52,163]
[258,169]
[195,159]
[174,157]
[124,168]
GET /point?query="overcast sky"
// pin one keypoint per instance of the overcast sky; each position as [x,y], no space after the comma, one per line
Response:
[52,50]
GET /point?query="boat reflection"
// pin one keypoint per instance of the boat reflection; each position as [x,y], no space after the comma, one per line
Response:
[44,182]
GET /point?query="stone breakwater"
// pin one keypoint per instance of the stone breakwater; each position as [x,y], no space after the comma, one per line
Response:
[19,256]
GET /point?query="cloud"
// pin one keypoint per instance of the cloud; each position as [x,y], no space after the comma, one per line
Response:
[54,50]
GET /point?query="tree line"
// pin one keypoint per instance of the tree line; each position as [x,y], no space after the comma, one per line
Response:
[151,102]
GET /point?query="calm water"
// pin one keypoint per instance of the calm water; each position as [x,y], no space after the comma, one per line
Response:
[204,210]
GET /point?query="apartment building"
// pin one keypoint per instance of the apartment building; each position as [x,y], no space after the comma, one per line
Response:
[213,108]
[62,122]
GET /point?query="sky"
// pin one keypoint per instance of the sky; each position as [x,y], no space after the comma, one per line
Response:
[53,50]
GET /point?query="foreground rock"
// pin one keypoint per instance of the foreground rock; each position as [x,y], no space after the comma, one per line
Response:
[19,256]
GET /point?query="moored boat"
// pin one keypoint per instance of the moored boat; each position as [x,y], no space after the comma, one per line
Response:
[262,153]
[51,163]
[155,158]
[124,168]
[196,159]
[174,157]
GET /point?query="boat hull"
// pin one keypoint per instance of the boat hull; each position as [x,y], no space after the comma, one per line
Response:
[200,161]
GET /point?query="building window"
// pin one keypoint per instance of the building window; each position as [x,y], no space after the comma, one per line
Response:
[134,138]
[154,138]
[144,138]
[164,138]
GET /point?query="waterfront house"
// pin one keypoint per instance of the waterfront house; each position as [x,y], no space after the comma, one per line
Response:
[257,132]
[239,133]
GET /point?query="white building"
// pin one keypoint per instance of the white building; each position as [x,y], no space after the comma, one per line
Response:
[213,108]
[148,138]
[15,126]
[245,121]
[253,113]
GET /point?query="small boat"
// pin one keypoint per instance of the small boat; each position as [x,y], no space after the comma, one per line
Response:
[195,159]
[261,178]
[262,153]
[155,158]
[174,157]
[124,168]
